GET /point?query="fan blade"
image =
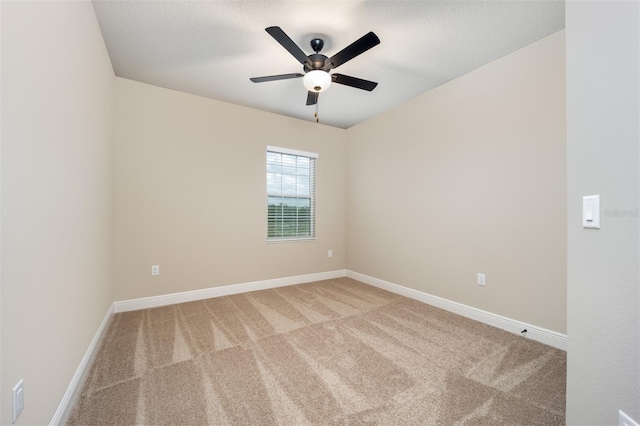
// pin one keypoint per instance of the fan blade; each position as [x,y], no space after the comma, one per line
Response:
[358,83]
[275,77]
[359,46]
[287,43]
[312,98]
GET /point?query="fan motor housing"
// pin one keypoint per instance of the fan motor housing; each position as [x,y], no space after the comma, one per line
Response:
[317,61]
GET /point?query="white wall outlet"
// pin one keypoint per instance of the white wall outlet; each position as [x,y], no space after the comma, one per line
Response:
[18,400]
[624,420]
[155,270]
[481,279]
[330,253]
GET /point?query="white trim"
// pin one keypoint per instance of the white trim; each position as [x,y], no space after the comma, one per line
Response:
[290,151]
[73,388]
[548,337]
[275,240]
[207,293]
[540,334]
[543,335]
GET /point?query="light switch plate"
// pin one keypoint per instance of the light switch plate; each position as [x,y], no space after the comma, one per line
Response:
[591,211]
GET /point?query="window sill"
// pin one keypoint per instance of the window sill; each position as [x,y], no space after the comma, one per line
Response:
[290,240]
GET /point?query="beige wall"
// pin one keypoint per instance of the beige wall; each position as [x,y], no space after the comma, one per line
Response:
[190,193]
[603,134]
[81,224]
[470,177]
[57,210]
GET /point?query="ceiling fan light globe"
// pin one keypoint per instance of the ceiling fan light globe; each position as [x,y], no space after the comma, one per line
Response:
[316,81]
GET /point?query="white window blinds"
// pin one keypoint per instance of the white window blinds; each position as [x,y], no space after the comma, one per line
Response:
[291,193]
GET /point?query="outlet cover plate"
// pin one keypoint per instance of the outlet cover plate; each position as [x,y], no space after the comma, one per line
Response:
[18,400]
[624,420]
[481,279]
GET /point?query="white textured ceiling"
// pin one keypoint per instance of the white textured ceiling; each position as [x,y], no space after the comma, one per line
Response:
[211,48]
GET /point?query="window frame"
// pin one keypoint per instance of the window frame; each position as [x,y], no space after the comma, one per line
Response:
[313,157]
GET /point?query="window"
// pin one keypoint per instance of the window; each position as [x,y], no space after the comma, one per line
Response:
[291,194]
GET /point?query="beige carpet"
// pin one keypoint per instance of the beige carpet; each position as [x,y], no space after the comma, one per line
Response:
[330,352]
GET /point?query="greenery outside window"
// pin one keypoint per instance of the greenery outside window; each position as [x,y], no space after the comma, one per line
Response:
[291,188]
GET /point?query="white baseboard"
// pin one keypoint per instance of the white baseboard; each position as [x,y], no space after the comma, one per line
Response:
[72,390]
[542,335]
[548,337]
[207,293]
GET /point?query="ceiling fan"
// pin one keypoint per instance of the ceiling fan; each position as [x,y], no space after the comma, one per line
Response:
[316,67]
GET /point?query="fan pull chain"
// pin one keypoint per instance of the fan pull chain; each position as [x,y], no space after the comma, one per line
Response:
[316,113]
